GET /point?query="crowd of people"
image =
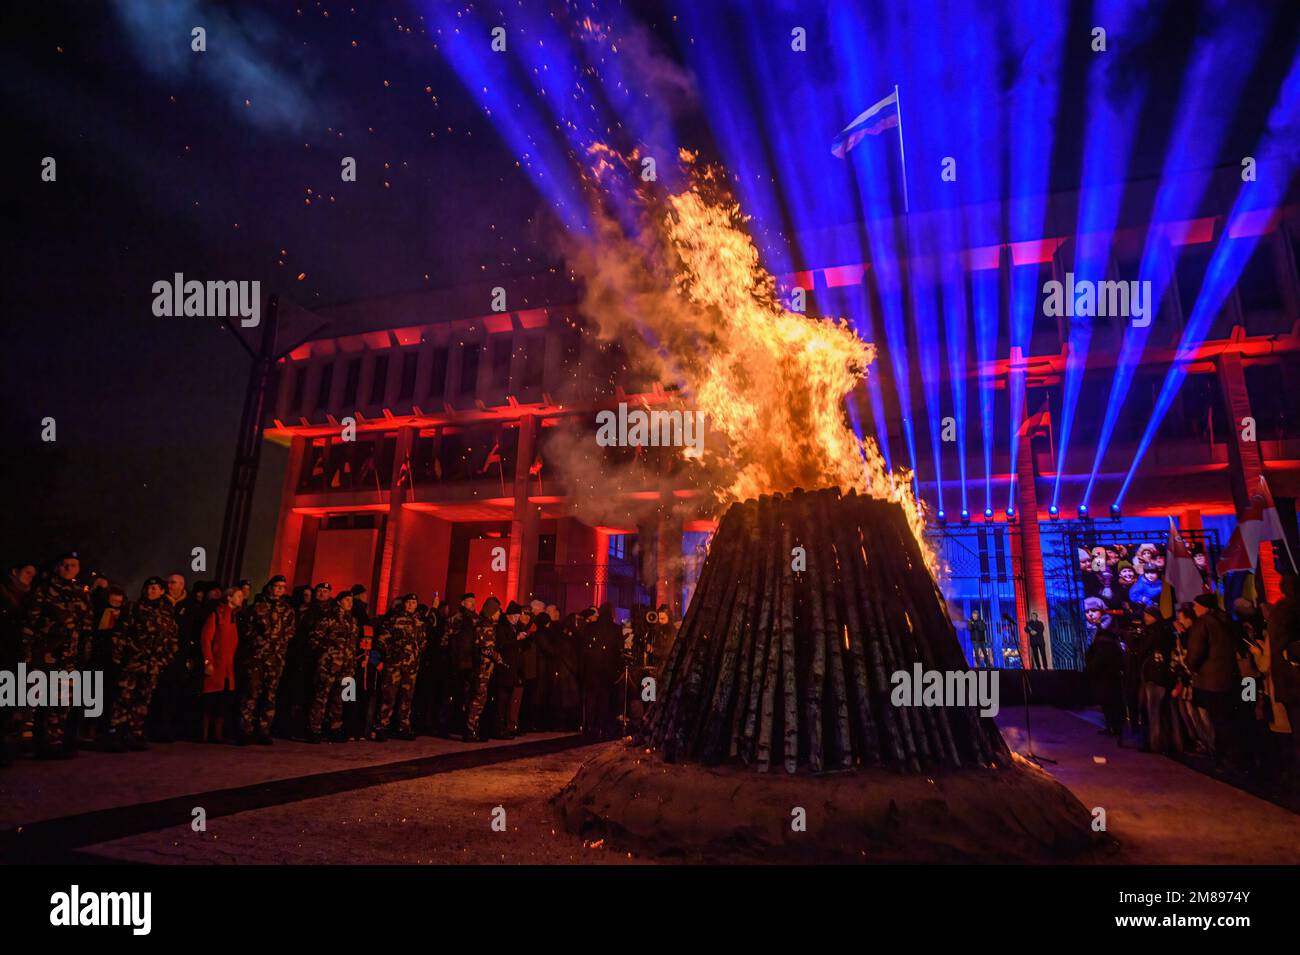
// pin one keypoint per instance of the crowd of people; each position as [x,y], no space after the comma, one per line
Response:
[1120,581]
[1223,684]
[220,664]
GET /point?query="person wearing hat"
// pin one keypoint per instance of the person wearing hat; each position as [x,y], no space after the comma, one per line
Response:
[488,657]
[507,687]
[530,667]
[270,629]
[432,677]
[298,685]
[1103,664]
[461,667]
[400,637]
[334,640]
[600,665]
[57,620]
[141,650]
[1212,660]
[359,714]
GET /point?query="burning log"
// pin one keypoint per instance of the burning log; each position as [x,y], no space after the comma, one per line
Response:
[778,660]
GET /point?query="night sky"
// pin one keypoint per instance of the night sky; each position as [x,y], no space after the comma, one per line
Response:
[225,165]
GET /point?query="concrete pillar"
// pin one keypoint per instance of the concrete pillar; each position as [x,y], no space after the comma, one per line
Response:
[388,582]
[1031,590]
[524,517]
[1244,460]
[288,529]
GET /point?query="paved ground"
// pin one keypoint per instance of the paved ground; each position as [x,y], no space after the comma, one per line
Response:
[433,801]
[1161,811]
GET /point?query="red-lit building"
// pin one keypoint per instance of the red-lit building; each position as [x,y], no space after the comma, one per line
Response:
[459,412]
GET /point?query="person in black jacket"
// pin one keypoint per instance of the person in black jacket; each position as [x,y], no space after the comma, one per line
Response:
[979,639]
[461,666]
[506,683]
[1104,666]
[600,666]
[430,683]
[1155,655]
[1037,643]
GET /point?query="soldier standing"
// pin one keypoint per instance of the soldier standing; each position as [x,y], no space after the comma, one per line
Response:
[401,642]
[271,627]
[334,641]
[485,645]
[56,622]
[140,651]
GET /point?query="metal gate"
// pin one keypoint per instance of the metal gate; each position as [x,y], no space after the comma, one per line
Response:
[979,564]
[1063,575]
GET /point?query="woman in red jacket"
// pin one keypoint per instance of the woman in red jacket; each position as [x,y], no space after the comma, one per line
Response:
[220,638]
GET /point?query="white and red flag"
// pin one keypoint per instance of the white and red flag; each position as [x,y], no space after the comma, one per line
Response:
[1181,572]
[1260,521]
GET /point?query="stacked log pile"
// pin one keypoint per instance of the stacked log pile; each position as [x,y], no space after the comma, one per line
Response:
[792,666]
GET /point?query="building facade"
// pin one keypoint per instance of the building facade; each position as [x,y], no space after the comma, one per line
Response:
[474,466]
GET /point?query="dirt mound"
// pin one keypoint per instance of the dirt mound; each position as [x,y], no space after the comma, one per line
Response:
[635,801]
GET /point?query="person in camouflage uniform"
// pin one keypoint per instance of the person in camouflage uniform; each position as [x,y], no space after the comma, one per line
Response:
[56,622]
[271,627]
[486,645]
[401,639]
[143,649]
[334,642]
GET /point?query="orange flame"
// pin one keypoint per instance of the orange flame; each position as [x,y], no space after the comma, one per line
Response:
[770,382]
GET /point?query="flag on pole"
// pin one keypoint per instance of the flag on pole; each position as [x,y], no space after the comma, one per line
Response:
[884,115]
[1181,572]
[1235,556]
[1260,521]
[494,457]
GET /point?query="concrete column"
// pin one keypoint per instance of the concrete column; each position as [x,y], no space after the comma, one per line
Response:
[1031,591]
[1244,460]
[288,529]
[388,582]
[524,517]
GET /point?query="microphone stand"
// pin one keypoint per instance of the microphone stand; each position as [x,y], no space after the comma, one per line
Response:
[1029,753]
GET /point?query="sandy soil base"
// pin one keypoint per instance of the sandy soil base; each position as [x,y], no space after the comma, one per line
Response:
[633,800]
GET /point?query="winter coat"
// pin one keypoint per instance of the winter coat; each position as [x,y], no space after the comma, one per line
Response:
[220,641]
[460,636]
[1211,654]
[1145,592]
[530,658]
[510,649]
[1155,652]
[1104,666]
[1284,631]
[602,644]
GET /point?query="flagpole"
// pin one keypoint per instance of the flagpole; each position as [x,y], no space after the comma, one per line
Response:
[902,155]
